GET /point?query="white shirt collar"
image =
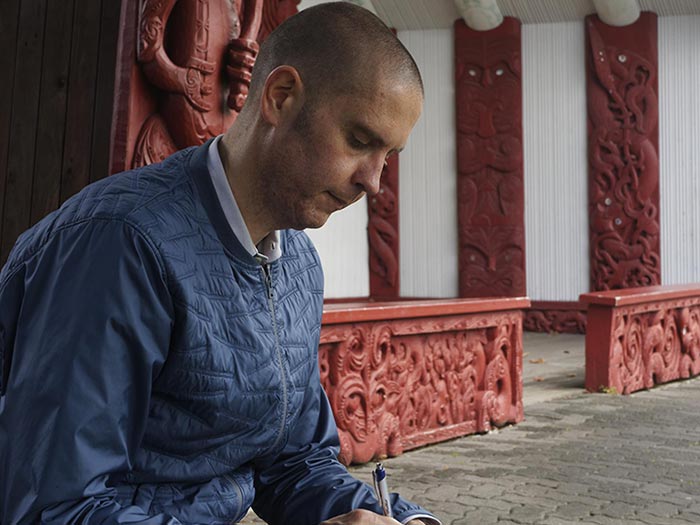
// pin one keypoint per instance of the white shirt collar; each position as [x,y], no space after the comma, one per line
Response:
[269,249]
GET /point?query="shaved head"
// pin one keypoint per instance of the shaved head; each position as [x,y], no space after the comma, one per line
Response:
[334,93]
[337,48]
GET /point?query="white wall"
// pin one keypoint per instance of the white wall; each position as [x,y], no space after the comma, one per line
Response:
[428,175]
[555,147]
[342,243]
[344,251]
[679,148]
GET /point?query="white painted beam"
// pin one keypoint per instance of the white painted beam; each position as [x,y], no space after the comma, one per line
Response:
[617,12]
[480,15]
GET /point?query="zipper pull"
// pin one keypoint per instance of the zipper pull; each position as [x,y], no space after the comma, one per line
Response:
[268,281]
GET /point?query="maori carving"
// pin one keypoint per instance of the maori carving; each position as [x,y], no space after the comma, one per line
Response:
[383,235]
[551,317]
[490,161]
[651,348]
[622,95]
[274,13]
[399,384]
[196,100]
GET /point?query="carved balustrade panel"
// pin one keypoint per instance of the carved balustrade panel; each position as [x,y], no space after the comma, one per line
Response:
[490,190]
[383,234]
[654,345]
[402,383]
[630,347]
[623,145]
[555,317]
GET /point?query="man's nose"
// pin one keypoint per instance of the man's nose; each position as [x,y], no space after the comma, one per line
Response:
[369,175]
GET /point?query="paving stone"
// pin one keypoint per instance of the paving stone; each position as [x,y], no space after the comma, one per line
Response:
[618,510]
[479,516]
[661,509]
[573,510]
[527,514]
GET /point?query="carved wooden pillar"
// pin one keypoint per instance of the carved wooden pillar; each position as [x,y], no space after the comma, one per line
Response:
[623,198]
[490,161]
[383,235]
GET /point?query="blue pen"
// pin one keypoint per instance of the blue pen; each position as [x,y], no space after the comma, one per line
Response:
[381,490]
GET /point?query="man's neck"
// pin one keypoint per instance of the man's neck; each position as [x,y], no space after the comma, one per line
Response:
[241,181]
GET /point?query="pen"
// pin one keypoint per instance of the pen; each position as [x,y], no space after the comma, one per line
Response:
[381,490]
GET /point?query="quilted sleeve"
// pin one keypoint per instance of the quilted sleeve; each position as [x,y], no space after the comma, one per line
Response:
[86,322]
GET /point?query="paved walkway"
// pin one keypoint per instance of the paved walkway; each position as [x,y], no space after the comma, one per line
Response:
[577,458]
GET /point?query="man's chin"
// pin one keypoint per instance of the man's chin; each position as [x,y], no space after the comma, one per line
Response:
[311,221]
[316,224]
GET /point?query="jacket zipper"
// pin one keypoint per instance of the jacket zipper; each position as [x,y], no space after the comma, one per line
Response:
[267,274]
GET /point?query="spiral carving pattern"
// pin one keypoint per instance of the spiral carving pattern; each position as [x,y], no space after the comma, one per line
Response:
[654,344]
[397,384]
[622,91]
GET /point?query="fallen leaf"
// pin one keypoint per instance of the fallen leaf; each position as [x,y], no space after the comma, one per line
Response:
[525,354]
[537,361]
[539,379]
[571,375]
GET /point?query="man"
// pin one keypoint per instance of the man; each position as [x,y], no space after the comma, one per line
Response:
[159,332]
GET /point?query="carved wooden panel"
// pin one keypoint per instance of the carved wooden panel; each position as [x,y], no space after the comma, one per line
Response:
[397,384]
[179,92]
[637,346]
[490,160]
[274,13]
[555,317]
[623,145]
[383,235]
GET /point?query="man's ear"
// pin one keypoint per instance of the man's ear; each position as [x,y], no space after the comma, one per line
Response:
[283,95]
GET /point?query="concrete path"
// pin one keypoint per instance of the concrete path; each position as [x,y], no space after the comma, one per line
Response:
[577,458]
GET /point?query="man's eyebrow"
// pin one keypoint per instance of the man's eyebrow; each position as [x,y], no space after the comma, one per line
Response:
[373,137]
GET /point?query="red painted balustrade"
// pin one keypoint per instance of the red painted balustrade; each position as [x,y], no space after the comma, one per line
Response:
[640,337]
[400,375]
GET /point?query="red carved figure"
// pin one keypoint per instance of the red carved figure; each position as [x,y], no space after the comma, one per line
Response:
[202,76]
[623,160]
[383,234]
[490,161]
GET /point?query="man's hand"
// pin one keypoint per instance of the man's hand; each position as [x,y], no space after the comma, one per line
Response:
[364,517]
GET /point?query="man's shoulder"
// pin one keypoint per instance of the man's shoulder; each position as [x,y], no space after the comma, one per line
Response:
[300,252]
[135,194]
[150,199]
[296,242]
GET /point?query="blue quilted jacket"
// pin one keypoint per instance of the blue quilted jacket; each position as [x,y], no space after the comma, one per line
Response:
[154,372]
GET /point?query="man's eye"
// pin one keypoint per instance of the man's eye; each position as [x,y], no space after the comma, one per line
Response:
[357,143]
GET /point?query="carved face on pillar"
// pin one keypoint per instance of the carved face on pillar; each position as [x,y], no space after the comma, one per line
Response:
[489,161]
[492,261]
[488,112]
